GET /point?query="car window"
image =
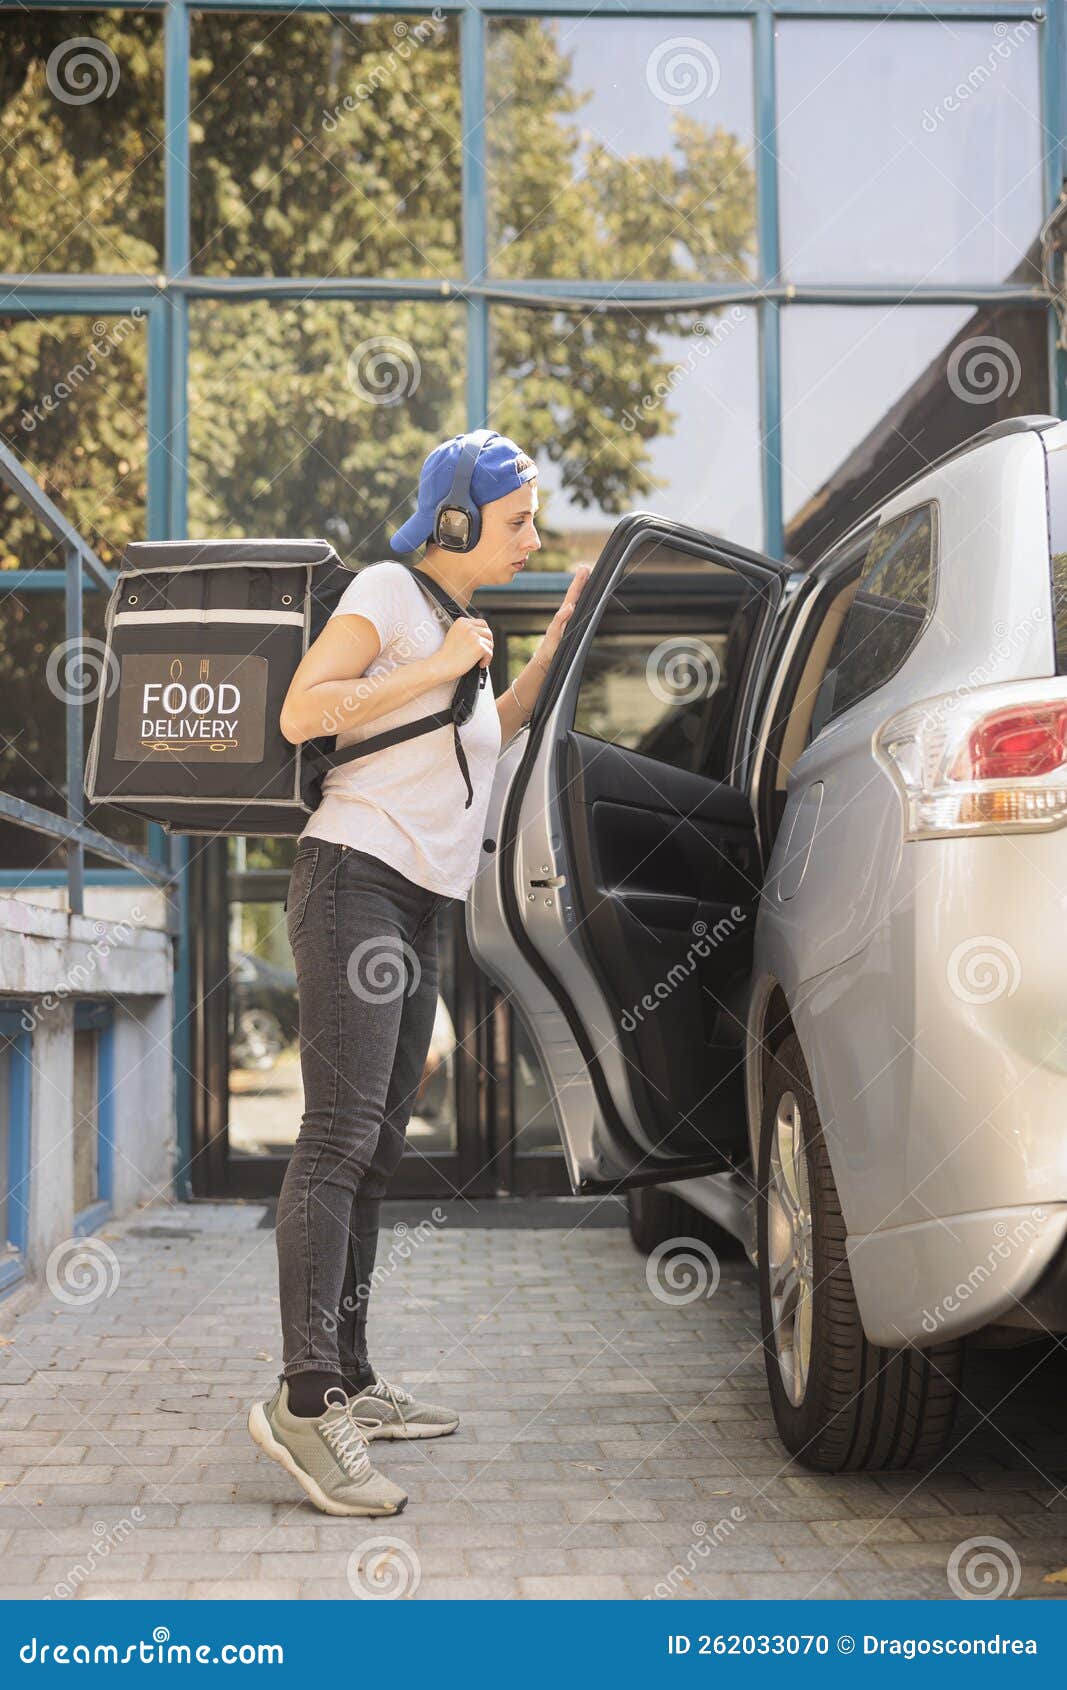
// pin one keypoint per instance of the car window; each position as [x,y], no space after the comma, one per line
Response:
[671,691]
[892,603]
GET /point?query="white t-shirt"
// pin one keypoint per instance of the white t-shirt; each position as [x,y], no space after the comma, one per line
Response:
[405,804]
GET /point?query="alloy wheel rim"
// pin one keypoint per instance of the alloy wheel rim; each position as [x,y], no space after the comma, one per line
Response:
[790,1262]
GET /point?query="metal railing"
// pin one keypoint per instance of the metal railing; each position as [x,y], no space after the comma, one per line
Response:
[72,830]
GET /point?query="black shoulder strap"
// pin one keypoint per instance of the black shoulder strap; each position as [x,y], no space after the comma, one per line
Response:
[459,710]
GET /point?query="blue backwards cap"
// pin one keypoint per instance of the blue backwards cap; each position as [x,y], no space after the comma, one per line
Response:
[496,473]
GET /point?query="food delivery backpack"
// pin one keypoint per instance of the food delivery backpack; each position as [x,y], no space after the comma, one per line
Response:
[202,640]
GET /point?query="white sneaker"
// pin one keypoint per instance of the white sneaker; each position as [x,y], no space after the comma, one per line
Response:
[326,1456]
[388,1411]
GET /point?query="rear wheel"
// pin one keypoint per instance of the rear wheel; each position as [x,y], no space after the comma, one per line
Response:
[840,1402]
[657,1216]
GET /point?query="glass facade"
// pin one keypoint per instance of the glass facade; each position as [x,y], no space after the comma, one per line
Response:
[690,261]
[747,269]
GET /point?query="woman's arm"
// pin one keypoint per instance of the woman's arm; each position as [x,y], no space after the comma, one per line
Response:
[515,706]
[331,691]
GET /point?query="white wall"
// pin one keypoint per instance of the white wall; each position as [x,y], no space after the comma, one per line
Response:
[48,960]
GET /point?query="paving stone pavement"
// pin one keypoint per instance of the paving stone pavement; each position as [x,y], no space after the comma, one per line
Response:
[612,1445]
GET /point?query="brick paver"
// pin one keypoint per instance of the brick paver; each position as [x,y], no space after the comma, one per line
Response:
[612,1445]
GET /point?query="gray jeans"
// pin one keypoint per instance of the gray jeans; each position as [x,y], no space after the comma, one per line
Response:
[365,942]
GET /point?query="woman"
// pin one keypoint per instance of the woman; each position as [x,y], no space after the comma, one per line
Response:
[398,834]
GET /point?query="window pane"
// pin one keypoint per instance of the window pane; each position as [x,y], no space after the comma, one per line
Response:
[81,141]
[871,396]
[666,693]
[326,145]
[520,649]
[632,412]
[38,674]
[266,1090]
[6,1197]
[909,149]
[266,1094]
[244,854]
[315,417]
[621,147]
[73,409]
[893,599]
[85,1104]
[654,695]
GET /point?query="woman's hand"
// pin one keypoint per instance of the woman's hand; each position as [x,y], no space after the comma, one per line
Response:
[468,641]
[546,651]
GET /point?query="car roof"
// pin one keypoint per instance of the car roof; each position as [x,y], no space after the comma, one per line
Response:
[1036,423]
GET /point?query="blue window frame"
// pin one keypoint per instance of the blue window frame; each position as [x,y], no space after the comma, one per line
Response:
[15,1072]
[94,1114]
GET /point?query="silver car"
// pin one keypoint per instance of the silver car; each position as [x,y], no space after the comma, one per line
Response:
[776,881]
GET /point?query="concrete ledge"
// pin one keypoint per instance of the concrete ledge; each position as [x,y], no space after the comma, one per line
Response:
[49,959]
[51,952]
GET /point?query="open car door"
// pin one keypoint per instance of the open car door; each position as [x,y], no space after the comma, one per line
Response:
[616,898]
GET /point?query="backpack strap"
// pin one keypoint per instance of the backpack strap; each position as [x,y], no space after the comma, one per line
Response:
[460,709]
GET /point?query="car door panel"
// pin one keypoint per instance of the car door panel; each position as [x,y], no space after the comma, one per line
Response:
[615,904]
[664,901]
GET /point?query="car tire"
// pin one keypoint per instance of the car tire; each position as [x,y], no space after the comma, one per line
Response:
[657,1216]
[840,1402]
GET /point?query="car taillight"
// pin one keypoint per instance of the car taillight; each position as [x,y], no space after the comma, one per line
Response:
[1015,744]
[993,759]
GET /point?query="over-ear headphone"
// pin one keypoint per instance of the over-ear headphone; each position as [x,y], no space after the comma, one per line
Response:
[457,523]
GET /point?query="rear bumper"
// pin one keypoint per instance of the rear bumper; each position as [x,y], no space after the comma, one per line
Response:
[938,1279]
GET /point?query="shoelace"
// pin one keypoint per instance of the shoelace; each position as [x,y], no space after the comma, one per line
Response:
[348,1436]
[395,1394]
